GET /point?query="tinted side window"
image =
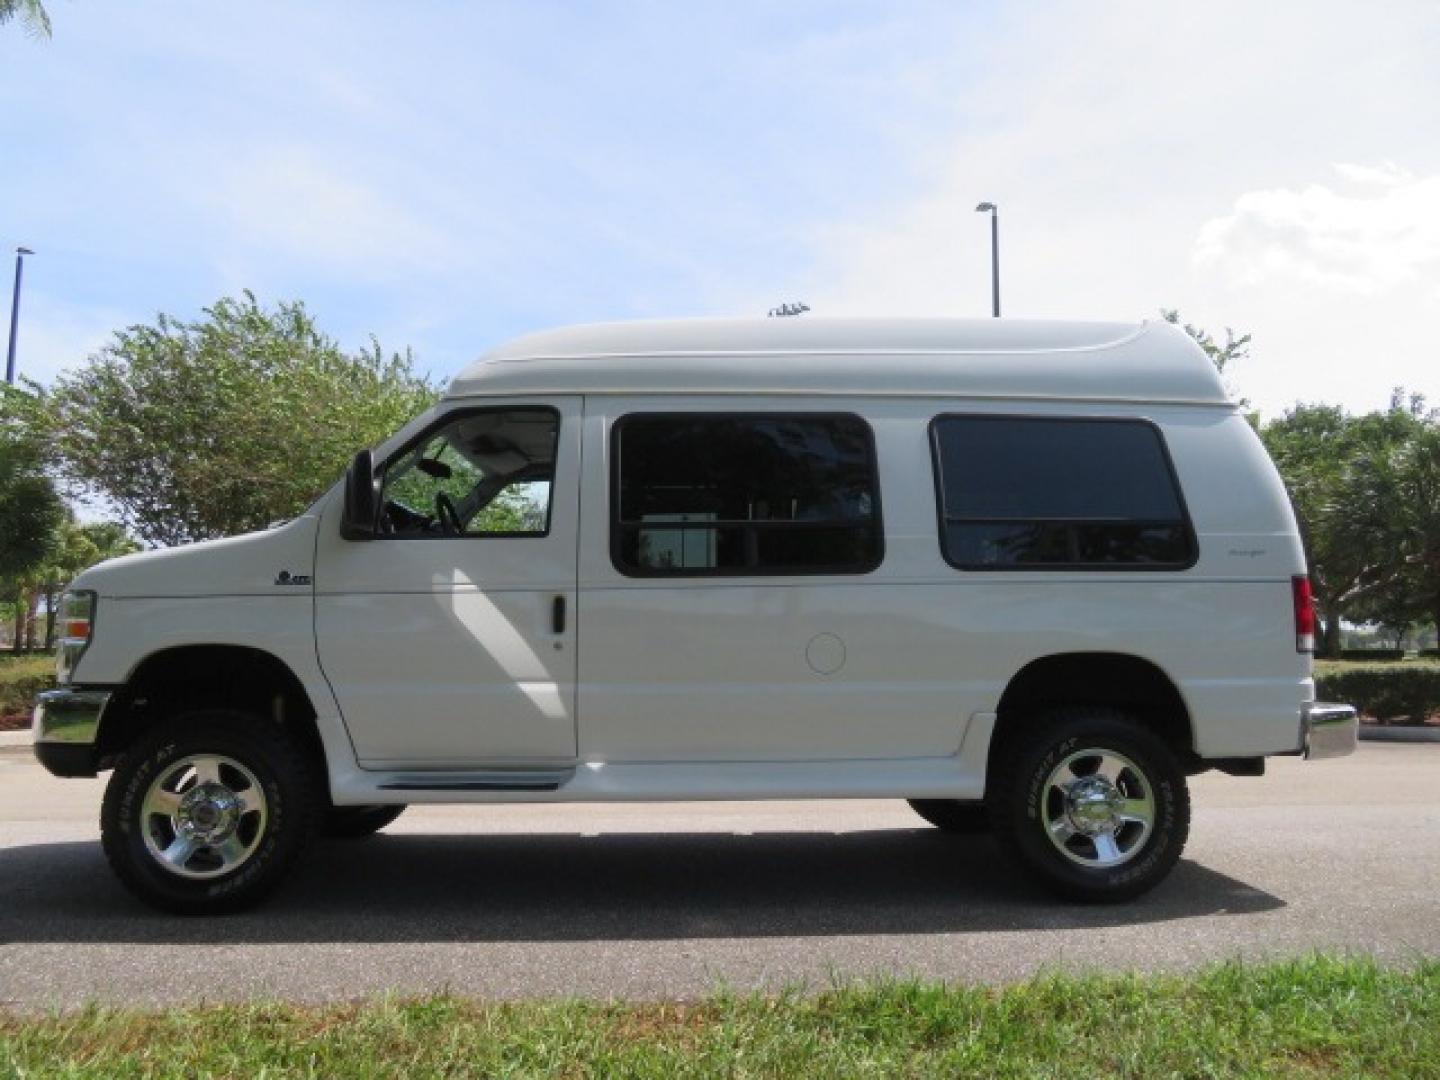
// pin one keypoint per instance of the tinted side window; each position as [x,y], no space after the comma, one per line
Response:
[701,494]
[1037,493]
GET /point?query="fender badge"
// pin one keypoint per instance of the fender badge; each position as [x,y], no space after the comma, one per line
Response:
[287,578]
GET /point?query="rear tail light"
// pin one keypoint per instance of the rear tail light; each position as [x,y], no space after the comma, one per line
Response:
[1304,614]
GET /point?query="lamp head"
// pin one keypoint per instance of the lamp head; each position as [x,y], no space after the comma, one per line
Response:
[990,206]
[23,251]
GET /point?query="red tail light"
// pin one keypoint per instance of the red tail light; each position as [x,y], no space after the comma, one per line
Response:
[1304,614]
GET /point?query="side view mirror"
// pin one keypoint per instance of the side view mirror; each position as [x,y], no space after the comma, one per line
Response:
[362,502]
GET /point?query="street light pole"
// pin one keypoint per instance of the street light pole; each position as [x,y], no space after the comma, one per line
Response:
[994,255]
[20,253]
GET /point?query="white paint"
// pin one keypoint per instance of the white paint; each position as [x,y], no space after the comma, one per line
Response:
[442,658]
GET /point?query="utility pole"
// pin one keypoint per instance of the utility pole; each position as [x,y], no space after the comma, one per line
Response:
[20,253]
[994,255]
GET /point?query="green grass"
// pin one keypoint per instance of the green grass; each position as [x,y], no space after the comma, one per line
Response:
[1317,1017]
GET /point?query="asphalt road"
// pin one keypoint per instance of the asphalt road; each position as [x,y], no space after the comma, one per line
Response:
[674,900]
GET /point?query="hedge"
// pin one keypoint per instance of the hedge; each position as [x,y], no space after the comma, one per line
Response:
[21,678]
[1384,691]
[1372,654]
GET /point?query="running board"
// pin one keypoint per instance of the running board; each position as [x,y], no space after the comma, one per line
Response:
[500,780]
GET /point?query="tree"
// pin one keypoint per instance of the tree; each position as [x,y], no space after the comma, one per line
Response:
[1347,477]
[31,12]
[1397,497]
[30,508]
[194,430]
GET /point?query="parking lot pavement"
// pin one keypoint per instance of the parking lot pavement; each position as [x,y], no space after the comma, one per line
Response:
[673,900]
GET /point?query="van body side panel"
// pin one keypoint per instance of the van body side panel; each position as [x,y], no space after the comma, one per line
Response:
[697,669]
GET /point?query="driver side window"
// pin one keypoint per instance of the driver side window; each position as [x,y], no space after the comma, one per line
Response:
[482,473]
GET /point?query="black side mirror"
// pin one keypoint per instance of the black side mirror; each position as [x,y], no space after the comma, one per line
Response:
[362,502]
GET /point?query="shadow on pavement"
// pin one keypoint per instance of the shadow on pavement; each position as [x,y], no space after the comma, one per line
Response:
[618,886]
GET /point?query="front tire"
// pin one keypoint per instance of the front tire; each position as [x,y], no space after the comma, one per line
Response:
[1090,803]
[206,814]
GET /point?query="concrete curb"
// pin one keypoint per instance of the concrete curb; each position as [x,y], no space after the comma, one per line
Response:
[1378,733]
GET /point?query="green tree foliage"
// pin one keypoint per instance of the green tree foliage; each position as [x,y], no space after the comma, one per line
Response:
[30,12]
[194,430]
[1365,489]
[1397,496]
[30,508]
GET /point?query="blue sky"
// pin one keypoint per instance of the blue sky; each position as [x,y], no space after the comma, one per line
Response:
[445,175]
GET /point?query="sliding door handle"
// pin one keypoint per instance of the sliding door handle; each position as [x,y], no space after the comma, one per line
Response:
[557,615]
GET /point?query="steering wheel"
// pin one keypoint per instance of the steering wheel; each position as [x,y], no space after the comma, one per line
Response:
[448,516]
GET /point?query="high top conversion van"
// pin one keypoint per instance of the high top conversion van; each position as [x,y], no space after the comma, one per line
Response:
[1029,576]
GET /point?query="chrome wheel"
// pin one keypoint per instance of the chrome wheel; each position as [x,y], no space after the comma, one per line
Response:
[203,816]
[1098,808]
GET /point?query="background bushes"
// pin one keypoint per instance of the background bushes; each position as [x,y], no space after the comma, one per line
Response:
[21,678]
[1408,689]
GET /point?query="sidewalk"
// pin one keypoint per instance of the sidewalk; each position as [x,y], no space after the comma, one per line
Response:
[15,739]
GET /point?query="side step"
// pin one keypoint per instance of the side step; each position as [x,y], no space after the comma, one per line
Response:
[497,780]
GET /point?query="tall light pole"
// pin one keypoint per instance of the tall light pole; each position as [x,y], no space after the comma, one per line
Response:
[994,254]
[20,253]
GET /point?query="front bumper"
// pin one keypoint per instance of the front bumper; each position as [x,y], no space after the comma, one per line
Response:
[64,728]
[1328,731]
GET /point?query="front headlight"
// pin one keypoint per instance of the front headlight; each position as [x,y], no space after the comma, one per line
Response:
[77,627]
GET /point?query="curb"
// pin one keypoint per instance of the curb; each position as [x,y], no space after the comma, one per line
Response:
[15,740]
[1416,734]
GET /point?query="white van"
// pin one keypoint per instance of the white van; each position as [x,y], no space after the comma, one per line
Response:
[1030,575]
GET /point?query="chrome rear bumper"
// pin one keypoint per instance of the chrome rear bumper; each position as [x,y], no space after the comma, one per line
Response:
[1328,731]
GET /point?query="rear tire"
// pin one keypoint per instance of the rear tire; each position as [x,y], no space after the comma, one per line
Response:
[1090,803]
[357,822]
[955,816]
[207,813]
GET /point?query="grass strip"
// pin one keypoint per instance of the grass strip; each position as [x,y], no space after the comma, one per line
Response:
[1315,1017]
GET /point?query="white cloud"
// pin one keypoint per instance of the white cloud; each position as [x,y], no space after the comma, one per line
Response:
[1367,241]
[1146,157]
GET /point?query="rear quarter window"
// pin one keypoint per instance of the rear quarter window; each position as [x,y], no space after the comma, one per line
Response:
[1038,493]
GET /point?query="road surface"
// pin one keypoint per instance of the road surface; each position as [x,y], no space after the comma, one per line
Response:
[674,900]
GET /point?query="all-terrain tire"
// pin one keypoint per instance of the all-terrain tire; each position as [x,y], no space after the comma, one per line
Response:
[1021,799]
[286,786]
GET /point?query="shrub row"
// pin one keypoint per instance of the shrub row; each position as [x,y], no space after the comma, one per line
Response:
[1372,654]
[21,679]
[1384,691]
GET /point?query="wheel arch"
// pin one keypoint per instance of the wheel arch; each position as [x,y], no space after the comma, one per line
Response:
[183,677]
[1122,681]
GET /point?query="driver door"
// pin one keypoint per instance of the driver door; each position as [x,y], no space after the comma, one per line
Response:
[449,638]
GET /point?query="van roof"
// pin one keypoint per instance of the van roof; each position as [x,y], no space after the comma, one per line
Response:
[1151,362]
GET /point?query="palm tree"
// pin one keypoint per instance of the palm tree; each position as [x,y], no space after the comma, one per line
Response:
[31,12]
